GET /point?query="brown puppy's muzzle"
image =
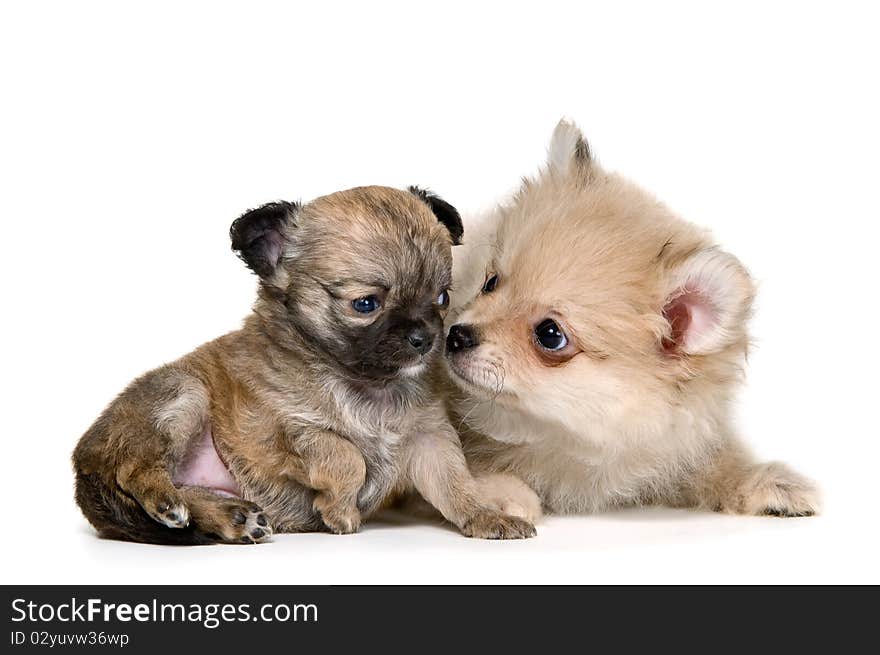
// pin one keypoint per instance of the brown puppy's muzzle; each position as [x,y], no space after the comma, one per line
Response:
[421,339]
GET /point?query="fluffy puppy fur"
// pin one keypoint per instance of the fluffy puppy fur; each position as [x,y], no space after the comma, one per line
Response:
[319,408]
[599,346]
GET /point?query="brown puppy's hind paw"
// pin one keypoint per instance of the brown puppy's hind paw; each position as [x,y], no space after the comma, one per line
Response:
[495,525]
[250,524]
[229,520]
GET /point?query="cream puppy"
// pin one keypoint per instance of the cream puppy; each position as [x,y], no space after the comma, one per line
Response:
[597,346]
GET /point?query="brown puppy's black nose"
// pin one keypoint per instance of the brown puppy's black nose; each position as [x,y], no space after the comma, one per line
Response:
[461,337]
[420,340]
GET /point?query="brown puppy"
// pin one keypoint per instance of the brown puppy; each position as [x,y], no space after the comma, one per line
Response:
[318,408]
[598,348]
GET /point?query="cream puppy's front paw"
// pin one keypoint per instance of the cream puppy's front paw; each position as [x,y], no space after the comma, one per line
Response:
[495,525]
[510,495]
[775,490]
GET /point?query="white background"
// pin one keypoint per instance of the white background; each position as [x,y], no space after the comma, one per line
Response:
[132,136]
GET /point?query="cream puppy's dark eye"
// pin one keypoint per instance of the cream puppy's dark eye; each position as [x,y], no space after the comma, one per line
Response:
[443,298]
[550,336]
[365,305]
[490,283]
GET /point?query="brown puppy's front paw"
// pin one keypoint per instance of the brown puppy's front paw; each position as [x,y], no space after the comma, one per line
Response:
[489,524]
[775,490]
[167,510]
[339,518]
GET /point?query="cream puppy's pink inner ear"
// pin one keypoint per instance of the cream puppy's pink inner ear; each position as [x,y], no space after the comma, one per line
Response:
[708,304]
[691,318]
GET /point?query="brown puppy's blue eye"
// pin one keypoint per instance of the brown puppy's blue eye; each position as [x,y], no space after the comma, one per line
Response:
[490,283]
[365,305]
[550,335]
[443,298]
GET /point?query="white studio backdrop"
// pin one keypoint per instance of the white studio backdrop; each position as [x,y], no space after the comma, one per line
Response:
[132,134]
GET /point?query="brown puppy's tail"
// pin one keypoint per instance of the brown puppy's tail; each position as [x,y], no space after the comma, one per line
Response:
[117,516]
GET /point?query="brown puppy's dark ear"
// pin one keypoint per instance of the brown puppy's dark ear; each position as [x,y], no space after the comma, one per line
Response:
[258,236]
[445,213]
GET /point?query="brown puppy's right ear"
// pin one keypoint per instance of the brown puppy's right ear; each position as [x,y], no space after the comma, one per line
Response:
[258,236]
[445,213]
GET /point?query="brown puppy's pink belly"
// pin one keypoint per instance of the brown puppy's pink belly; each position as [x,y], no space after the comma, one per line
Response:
[202,467]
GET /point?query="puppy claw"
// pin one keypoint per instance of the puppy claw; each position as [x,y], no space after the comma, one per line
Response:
[775,490]
[339,519]
[782,512]
[494,525]
[170,513]
[342,524]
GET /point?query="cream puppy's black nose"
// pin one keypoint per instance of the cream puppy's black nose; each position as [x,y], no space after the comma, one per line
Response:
[461,337]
